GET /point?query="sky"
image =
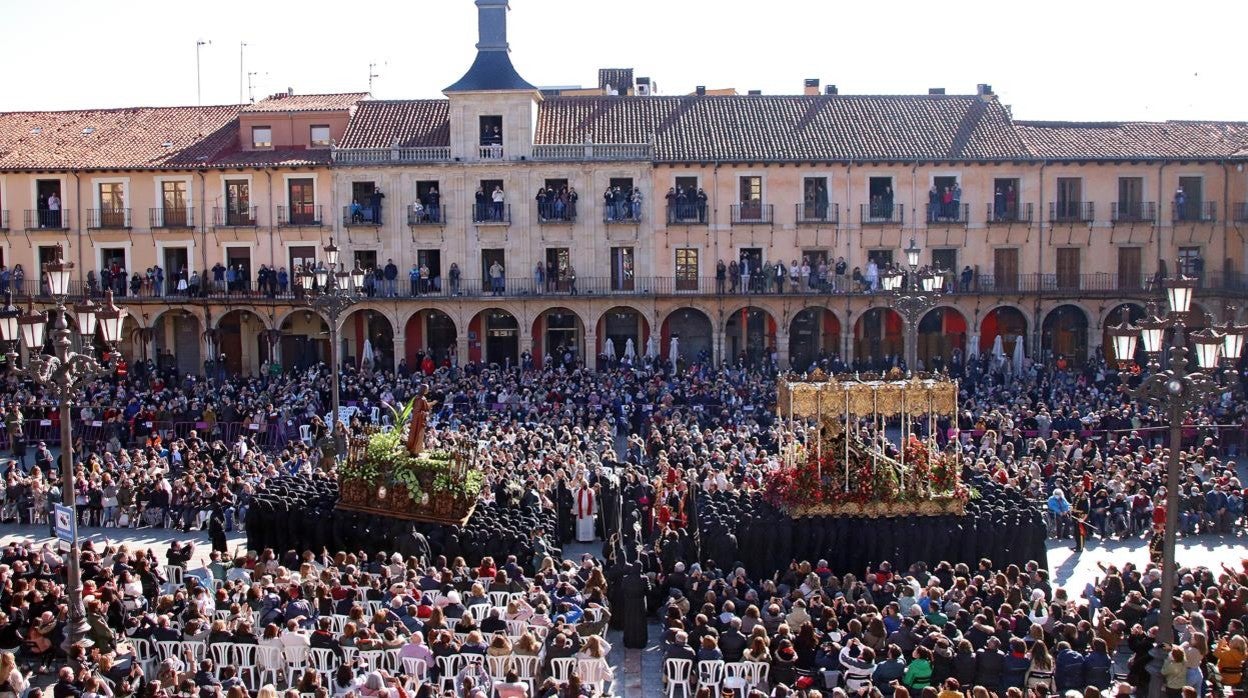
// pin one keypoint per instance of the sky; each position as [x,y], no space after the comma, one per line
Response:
[1092,60]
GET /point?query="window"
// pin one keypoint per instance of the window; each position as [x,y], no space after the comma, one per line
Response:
[686,269]
[430,200]
[485,208]
[1005,268]
[261,137]
[365,259]
[488,258]
[112,205]
[814,199]
[750,263]
[750,189]
[1131,200]
[365,206]
[302,198]
[685,206]
[880,189]
[1190,263]
[945,260]
[239,259]
[554,201]
[173,203]
[320,137]
[558,264]
[492,130]
[622,270]
[944,200]
[1130,268]
[1069,199]
[238,202]
[1188,205]
[1005,208]
[433,260]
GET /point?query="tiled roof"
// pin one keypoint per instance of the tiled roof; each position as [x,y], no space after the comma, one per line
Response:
[409,123]
[325,102]
[620,79]
[789,128]
[280,157]
[1195,140]
[115,138]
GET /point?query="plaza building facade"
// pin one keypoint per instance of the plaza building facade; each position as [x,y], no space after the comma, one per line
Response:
[505,218]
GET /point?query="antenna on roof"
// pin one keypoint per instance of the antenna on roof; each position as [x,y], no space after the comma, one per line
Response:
[241,45]
[199,93]
[372,73]
[251,86]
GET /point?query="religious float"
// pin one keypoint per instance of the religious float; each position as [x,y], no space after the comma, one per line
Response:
[836,459]
[388,472]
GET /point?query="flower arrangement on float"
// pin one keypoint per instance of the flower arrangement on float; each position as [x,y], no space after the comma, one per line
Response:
[382,475]
[857,481]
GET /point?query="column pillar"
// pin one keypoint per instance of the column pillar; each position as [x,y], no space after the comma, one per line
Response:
[782,347]
[847,353]
[400,351]
[461,349]
[590,352]
[717,346]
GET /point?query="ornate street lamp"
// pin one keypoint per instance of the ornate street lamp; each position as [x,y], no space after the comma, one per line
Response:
[332,296]
[61,374]
[915,298]
[1176,390]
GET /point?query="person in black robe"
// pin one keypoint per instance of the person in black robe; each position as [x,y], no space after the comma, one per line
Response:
[634,588]
[413,544]
[216,530]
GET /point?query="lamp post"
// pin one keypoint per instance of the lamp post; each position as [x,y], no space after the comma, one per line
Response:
[913,300]
[331,293]
[61,374]
[1176,390]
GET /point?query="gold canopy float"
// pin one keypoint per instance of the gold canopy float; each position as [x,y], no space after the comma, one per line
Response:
[833,470]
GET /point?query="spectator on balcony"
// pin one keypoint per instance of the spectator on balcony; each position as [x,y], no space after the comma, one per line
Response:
[283,280]
[482,209]
[781,274]
[1180,204]
[842,280]
[608,201]
[413,280]
[192,285]
[453,273]
[745,275]
[721,274]
[136,284]
[5,277]
[543,204]
[392,276]
[701,203]
[795,273]
[872,277]
[418,212]
[19,279]
[803,273]
[218,277]
[734,276]
[426,279]
[672,198]
[53,213]
[946,204]
[539,277]
[956,213]
[496,278]
[569,277]
[374,206]
[498,197]
[821,275]
[357,212]
[433,205]
[933,204]
[570,199]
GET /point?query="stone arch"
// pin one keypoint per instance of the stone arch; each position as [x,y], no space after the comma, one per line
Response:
[494,336]
[1064,332]
[942,332]
[305,339]
[367,328]
[431,331]
[555,331]
[1004,320]
[694,331]
[239,337]
[749,333]
[175,340]
[814,331]
[622,324]
[879,333]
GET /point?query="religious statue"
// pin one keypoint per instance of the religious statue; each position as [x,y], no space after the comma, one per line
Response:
[420,418]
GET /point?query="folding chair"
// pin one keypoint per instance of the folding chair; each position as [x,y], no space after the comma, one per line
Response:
[561,669]
[711,675]
[448,667]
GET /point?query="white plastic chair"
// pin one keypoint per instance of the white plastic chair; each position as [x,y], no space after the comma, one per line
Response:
[677,673]
[561,669]
[711,675]
[595,673]
[460,638]
[415,666]
[500,598]
[145,655]
[737,677]
[222,654]
[348,655]
[516,628]
[374,660]
[526,668]
[433,595]
[245,659]
[305,434]
[540,631]
[169,648]
[497,667]
[759,672]
[337,623]
[296,662]
[448,667]
[176,576]
[324,662]
[270,663]
[197,650]
[478,612]
[374,415]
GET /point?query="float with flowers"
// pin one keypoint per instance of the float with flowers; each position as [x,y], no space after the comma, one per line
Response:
[837,461]
[388,472]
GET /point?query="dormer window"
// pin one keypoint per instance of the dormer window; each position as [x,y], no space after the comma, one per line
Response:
[261,137]
[320,137]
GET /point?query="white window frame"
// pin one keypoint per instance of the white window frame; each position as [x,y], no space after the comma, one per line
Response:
[127,200]
[34,194]
[329,136]
[99,257]
[316,187]
[190,257]
[159,193]
[254,145]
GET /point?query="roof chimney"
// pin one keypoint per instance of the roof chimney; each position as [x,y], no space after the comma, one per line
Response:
[290,92]
[755,93]
[492,70]
[983,89]
[700,90]
[811,87]
[935,90]
[830,90]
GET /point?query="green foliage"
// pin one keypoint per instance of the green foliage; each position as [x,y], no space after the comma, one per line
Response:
[385,461]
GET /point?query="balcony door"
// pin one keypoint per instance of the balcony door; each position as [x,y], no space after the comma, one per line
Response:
[237,202]
[1130,267]
[1005,268]
[173,203]
[301,194]
[112,205]
[1068,267]
[1130,198]
[1069,198]
[751,198]
[622,270]
[1193,195]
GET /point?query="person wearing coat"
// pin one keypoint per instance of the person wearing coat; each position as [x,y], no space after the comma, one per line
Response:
[1069,669]
[990,666]
[1016,664]
[1098,665]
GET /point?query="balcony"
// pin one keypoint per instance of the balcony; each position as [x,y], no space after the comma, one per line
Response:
[4,221]
[299,215]
[1133,212]
[556,212]
[753,213]
[1009,213]
[369,156]
[580,152]
[1195,212]
[426,215]
[355,215]
[814,214]
[491,214]
[1240,213]
[490,152]
[948,215]
[1071,212]
[108,219]
[686,213]
[43,219]
[623,212]
[880,214]
[234,217]
[183,217]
